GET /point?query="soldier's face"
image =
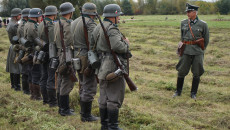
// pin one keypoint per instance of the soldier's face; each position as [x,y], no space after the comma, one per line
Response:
[19,17]
[191,14]
[118,19]
[39,19]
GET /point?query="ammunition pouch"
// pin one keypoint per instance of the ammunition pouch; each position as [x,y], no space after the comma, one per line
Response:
[93,59]
[69,54]
[54,62]
[111,77]
[15,40]
[52,50]
[77,64]
[27,58]
[40,42]
[63,69]
[25,42]
[89,71]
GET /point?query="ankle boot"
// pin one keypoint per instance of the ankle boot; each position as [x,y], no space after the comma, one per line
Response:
[86,112]
[37,92]
[104,118]
[44,95]
[52,98]
[195,85]
[113,119]
[64,106]
[32,97]
[180,82]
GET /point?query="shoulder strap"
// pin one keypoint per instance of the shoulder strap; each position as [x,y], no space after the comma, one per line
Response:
[191,29]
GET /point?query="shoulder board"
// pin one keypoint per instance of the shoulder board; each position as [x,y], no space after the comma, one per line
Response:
[202,21]
[184,20]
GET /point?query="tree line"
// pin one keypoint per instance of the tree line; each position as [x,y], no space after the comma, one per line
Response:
[129,7]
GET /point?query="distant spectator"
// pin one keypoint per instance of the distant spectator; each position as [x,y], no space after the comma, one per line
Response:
[0,22]
[4,22]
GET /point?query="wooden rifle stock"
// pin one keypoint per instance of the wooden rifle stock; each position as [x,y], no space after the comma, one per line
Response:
[72,75]
[130,83]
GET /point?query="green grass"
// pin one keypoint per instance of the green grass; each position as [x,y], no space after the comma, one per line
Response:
[152,68]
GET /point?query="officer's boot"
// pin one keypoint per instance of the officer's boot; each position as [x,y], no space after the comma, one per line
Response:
[17,86]
[25,84]
[64,106]
[195,84]
[32,96]
[52,98]
[86,112]
[113,119]
[104,118]
[12,80]
[44,95]
[180,82]
[37,92]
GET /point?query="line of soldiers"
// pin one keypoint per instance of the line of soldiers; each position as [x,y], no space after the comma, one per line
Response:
[48,53]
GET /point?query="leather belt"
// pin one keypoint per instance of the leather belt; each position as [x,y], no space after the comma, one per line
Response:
[190,42]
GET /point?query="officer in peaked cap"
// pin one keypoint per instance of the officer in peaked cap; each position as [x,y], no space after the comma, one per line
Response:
[31,33]
[20,34]
[13,68]
[194,40]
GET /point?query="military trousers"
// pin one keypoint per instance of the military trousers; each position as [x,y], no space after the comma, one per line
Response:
[193,62]
[111,93]
[64,84]
[88,87]
[47,77]
[34,74]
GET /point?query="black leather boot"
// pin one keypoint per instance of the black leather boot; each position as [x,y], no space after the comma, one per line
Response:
[104,118]
[64,106]
[86,112]
[195,85]
[180,82]
[17,86]
[52,98]
[37,92]
[44,95]
[32,96]
[12,80]
[113,119]
[25,84]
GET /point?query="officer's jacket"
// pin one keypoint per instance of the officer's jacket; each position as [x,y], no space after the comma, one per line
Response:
[41,31]
[77,29]
[118,45]
[68,37]
[31,32]
[200,30]
[12,29]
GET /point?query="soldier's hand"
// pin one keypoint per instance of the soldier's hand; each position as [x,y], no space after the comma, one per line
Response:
[127,40]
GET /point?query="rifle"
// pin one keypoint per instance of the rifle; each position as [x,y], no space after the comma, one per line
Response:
[88,70]
[130,83]
[69,67]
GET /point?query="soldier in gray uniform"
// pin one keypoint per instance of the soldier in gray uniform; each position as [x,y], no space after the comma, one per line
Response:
[192,31]
[65,85]
[13,68]
[47,82]
[31,33]
[88,84]
[20,34]
[111,93]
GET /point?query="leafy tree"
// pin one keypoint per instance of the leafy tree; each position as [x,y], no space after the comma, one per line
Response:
[101,4]
[150,7]
[8,5]
[127,7]
[223,6]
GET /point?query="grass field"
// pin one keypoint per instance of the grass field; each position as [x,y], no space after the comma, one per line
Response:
[153,44]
